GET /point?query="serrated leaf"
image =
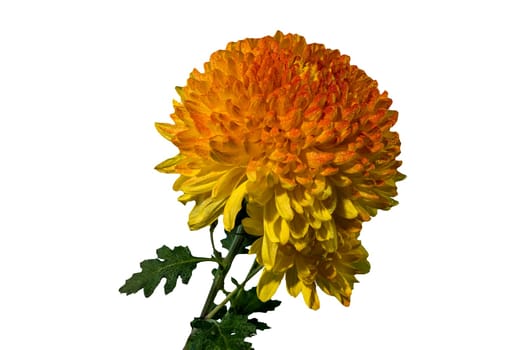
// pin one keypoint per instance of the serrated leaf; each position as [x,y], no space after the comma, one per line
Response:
[171,265]
[260,326]
[227,334]
[247,302]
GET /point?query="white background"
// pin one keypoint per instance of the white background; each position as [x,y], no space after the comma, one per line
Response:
[82,83]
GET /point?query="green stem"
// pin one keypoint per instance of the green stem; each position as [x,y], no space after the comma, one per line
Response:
[217,254]
[253,271]
[221,273]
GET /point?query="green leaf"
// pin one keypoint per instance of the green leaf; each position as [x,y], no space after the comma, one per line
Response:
[247,302]
[230,236]
[260,326]
[171,265]
[227,334]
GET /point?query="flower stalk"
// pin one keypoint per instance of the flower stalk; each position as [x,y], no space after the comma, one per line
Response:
[253,271]
[221,273]
[209,308]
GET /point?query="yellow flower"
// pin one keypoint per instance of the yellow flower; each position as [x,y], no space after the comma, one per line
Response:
[304,138]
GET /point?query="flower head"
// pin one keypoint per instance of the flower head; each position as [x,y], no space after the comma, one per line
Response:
[302,137]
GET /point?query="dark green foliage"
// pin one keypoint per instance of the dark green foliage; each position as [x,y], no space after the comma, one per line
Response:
[247,240]
[226,334]
[229,331]
[171,265]
[247,302]
[220,327]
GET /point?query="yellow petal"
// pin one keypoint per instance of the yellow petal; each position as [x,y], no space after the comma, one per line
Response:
[268,284]
[225,149]
[281,227]
[227,182]
[320,212]
[331,203]
[253,227]
[200,184]
[283,203]
[284,258]
[311,220]
[327,231]
[298,208]
[330,245]
[300,244]
[328,235]
[254,210]
[327,191]
[166,130]
[346,208]
[179,182]
[302,197]
[187,197]
[341,180]
[319,185]
[294,285]
[259,190]
[204,213]
[298,227]
[304,270]
[270,216]
[310,296]
[233,206]
[287,182]
[268,252]
[168,166]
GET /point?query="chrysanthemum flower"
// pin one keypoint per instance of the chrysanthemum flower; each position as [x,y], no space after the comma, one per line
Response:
[302,137]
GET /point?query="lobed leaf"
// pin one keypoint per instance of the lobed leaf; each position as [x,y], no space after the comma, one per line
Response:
[247,302]
[172,264]
[227,334]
